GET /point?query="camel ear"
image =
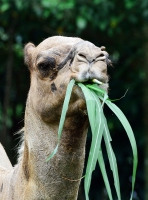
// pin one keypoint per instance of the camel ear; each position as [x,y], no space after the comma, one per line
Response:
[28,51]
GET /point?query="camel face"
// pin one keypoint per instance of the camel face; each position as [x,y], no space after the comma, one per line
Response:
[53,63]
[89,62]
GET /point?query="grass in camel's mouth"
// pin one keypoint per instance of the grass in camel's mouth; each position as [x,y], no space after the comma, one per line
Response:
[95,99]
[96,81]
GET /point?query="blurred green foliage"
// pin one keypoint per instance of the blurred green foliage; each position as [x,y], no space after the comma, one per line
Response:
[118,25]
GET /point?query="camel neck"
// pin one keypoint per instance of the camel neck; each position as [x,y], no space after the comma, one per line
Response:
[64,171]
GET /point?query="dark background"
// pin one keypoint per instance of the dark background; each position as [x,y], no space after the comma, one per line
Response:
[121,26]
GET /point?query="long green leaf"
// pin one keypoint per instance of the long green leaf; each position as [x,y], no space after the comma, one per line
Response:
[90,103]
[97,136]
[95,88]
[65,106]
[53,153]
[112,159]
[63,115]
[101,92]
[131,137]
[104,174]
[110,152]
[126,126]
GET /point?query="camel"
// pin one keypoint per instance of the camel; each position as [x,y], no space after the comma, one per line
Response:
[52,64]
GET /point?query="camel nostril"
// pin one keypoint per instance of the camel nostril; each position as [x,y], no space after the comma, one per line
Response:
[90,59]
[81,55]
[101,57]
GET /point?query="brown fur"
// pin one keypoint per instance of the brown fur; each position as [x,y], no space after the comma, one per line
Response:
[52,64]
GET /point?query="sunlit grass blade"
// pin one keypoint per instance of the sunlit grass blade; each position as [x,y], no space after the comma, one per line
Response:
[65,106]
[63,115]
[110,152]
[104,174]
[97,132]
[53,153]
[102,92]
[93,154]
[112,159]
[91,105]
[104,98]
[96,89]
[126,126]
[131,137]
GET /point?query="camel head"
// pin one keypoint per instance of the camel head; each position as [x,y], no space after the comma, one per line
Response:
[53,63]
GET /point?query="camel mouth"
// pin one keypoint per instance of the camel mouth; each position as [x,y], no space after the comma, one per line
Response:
[98,81]
[101,84]
[90,77]
[91,81]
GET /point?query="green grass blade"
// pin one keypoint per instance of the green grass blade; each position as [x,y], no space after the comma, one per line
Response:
[105,98]
[126,126]
[131,137]
[63,115]
[112,159]
[93,155]
[100,91]
[111,156]
[95,88]
[101,116]
[53,153]
[96,140]
[91,105]
[97,132]
[104,174]
[65,106]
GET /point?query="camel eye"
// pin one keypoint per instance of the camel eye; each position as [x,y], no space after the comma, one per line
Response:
[47,64]
[43,66]
[47,67]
